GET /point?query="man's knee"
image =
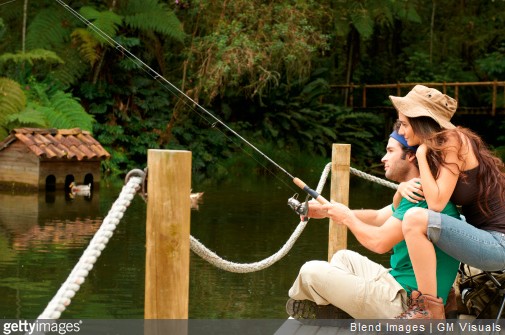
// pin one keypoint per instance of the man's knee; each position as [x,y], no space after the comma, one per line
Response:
[311,268]
[340,255]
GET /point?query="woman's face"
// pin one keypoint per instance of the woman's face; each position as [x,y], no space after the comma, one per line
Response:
[407,131]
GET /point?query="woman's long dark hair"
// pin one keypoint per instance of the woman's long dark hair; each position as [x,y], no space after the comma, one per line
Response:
[491,170]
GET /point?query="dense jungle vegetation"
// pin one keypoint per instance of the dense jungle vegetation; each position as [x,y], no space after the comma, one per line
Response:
[267,69]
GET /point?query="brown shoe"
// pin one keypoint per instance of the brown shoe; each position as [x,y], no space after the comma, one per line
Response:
[451,305]
[423,307]
[304,310]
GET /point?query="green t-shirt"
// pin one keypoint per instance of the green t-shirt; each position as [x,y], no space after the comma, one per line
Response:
[401,266]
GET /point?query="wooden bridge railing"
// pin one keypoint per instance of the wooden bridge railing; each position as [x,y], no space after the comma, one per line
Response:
[443,87]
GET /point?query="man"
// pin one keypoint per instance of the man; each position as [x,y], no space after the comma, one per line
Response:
[353,284]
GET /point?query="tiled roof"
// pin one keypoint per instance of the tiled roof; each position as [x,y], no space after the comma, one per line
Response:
[58,143]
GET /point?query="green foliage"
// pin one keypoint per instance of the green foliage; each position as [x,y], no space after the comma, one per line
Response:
[39,106]
[107,23]
[420,69]
[27,118]
[128,147]
[12,101]
[264,67]
[308,124]
[48,56]
[366,15]
[71,72]
[64,111]
[49,29]
[2,28]
[253,45]
[493,64]
[31,57]
[88,45]
[149,15]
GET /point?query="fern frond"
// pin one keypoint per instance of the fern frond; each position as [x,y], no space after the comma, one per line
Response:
[27,118]
[38,94]
[12,97]
[66,112]
[31,56]
[73,69]
[107,21]
[49,29]
[12,100]
[88,45]
[149,15]
[3,28]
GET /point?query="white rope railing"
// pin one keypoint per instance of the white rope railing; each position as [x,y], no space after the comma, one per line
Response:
[211,257]
[375,179]
[208,255]
[78,275]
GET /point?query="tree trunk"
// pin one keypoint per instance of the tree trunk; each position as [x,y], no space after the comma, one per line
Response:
[23,37]
[432,27]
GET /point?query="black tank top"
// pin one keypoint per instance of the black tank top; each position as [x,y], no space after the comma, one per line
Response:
[466,195]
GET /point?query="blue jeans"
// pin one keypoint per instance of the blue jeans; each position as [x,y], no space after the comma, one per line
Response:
[483,249]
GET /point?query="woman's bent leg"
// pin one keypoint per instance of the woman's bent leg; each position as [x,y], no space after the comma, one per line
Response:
[476,247]
[421,250]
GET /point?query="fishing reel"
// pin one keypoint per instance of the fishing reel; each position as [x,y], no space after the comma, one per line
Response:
[301,208]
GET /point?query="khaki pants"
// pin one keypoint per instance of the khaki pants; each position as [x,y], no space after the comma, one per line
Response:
[353,283]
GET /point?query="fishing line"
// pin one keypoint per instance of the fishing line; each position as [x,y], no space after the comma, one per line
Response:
[178,93]
[8,2]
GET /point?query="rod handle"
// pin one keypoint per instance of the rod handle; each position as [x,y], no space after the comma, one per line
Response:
[298,182]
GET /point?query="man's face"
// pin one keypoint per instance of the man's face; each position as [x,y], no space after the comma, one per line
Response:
[395,163]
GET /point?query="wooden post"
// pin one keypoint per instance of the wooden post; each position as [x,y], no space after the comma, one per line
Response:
[340,173]
[364,96]
[351,97]
[493,108]
[167,234]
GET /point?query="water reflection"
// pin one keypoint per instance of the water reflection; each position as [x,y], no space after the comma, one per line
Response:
[43,236]
[39,220]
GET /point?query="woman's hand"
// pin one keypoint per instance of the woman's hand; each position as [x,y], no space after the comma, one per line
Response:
[412,190]
[421,151]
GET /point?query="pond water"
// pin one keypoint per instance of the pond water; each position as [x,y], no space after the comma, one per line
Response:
[42,237]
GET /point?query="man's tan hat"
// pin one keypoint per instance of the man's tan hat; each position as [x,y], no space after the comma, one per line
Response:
[425,101]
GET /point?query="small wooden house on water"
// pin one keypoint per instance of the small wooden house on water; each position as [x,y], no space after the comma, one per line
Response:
[50,159]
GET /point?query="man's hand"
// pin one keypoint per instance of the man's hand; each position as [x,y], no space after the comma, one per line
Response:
[316,211]
[338,212]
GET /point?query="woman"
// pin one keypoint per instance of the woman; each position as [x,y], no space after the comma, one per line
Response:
[454,165]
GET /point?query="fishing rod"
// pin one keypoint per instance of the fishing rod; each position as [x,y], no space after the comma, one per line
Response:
[292,202]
